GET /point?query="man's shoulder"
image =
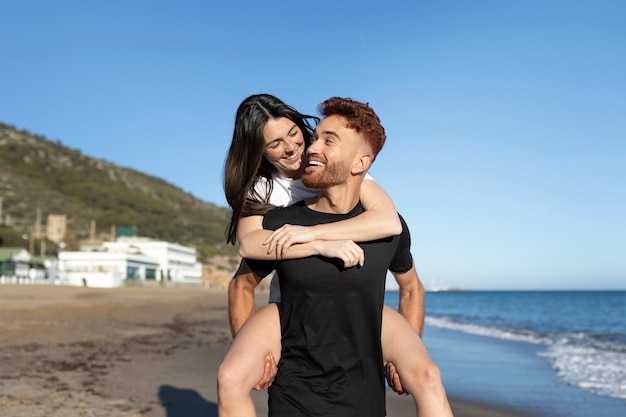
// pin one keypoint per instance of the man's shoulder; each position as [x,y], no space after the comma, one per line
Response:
[296,207]
[281,215]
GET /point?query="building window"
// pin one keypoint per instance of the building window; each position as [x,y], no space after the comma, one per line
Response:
[150,273]
[132,272]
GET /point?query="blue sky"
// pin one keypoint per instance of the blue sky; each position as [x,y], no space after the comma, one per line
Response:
[506,120]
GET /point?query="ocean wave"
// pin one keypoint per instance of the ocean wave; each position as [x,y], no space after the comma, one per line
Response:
[595,370]
[489,331]
[595,363]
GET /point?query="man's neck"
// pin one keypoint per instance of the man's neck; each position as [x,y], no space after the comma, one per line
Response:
[338,199]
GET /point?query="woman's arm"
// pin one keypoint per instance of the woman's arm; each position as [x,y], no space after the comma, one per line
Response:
[380,219]
[251,235]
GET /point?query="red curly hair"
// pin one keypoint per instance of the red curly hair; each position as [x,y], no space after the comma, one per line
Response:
[358,116]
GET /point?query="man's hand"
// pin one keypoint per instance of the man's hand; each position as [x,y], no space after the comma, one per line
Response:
[393,379]
[269,373]
[286,236]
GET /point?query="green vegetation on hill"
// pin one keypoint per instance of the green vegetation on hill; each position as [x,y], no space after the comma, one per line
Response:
[39,175]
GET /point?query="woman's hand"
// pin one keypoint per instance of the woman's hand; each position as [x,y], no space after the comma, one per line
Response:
[286,236]
[346,250]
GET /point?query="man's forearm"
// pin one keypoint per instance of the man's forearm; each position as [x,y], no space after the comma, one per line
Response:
[240,305]
[241,297]
[411,294]
[412,308]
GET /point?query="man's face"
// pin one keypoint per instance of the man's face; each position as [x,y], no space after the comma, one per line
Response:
[331,154]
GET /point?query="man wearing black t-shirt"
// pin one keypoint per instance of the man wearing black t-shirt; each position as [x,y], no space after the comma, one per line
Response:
[331,361]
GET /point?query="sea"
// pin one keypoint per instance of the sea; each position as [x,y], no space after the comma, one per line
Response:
[549,353]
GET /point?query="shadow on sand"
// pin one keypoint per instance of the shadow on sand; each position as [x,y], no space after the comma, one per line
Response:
[185,403]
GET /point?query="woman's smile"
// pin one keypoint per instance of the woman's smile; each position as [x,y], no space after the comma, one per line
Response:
[284,146]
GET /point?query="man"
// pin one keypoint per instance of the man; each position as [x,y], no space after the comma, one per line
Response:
[331,360]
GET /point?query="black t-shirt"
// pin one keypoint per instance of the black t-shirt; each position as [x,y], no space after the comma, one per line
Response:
[331,363]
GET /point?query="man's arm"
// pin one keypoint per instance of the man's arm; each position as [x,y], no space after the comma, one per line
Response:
[241,297]
[411,294]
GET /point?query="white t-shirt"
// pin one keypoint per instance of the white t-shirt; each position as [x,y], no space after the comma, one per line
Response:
[285,192]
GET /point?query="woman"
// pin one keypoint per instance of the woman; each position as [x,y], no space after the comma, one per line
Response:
[263,170]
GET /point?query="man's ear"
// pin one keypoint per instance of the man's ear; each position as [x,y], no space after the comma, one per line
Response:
[362,163]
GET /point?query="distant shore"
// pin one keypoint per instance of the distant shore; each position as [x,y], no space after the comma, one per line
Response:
[131,352]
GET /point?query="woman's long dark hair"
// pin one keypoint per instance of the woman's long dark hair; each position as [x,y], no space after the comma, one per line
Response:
[245,163]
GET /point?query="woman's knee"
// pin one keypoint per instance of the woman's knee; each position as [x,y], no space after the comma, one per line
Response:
[225,377]
[230,380]
[426,376]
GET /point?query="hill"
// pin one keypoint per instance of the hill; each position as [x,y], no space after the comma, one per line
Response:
[39,177]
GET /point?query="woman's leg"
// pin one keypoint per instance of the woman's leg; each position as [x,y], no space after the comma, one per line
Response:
[243,365]
[419,375]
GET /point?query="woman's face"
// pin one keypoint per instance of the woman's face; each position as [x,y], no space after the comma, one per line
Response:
[284,146]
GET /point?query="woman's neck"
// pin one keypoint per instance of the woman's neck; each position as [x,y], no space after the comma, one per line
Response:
[293,175]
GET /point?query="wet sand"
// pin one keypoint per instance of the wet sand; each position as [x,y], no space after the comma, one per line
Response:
[129,352]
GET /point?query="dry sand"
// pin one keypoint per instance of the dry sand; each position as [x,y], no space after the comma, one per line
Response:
[140,352]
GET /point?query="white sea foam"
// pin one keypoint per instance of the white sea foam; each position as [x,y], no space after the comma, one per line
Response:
[596,366]
[598,371]
[498,333]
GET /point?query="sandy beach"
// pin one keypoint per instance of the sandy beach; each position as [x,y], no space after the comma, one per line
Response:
[129,352]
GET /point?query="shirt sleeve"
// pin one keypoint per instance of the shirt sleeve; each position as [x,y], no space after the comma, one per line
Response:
[261,268]
[402,260]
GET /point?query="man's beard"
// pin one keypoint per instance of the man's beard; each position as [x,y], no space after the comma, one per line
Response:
[329,175]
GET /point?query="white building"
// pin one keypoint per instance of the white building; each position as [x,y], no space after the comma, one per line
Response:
[130,259]
[104,269]
[17,266]
[177,263]
[14,264]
